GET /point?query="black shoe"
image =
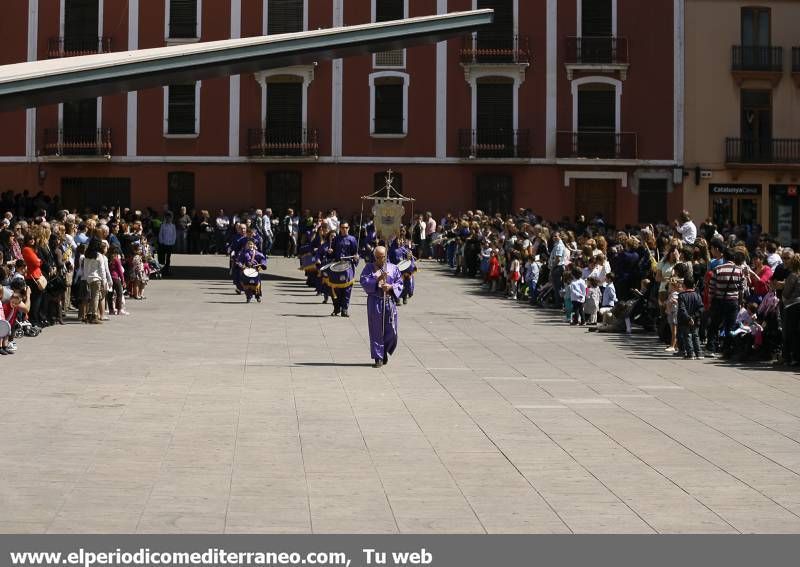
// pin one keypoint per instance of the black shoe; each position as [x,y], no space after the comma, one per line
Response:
[325,300]
[378,363]
[4,352]
[335,313]
[386,358]
[345,313]
[405,301]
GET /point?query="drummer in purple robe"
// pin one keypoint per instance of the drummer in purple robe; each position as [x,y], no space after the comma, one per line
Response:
[251,259]
[400,254]
[383,283]
[345,248]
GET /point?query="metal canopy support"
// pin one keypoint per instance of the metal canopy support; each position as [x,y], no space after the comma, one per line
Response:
[56,80]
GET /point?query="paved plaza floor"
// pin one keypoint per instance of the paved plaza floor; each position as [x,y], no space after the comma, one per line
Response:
[200,413]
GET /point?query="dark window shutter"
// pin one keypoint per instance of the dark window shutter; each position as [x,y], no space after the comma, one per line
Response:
[181,111]
[284,106]
[596,18]
[182,18]
[596,110]
[388,10]
[284,16]
[80,25]
[652,201]
[495,106]
[389,108]
[502,28]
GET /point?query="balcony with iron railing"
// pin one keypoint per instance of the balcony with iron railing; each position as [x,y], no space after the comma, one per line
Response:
[796,65]
[488,49]
[283,142]
[757,62]
[596,145]
[775,151]
[596,54]
[77,142]
[73,46]
[493,143]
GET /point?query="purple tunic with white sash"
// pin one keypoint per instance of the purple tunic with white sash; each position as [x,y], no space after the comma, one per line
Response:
[382,331]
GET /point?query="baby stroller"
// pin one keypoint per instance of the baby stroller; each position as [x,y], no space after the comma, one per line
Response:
[25,329]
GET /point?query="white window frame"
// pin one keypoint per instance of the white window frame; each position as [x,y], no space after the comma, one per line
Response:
[373,16]
[579,22]
[616,83]
[265,16]
[406,83]
[196,134]
[181,40]
[306,72]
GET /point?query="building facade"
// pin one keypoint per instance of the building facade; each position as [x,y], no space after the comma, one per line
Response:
[563,106]
[743,113]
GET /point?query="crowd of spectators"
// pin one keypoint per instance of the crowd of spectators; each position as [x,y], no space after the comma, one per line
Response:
[731,292]
[55,264]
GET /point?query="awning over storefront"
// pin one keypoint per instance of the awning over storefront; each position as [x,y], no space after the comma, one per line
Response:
[55,80]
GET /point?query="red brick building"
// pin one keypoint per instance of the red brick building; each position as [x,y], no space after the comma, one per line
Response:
[564,106]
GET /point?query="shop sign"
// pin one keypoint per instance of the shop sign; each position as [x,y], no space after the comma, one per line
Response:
[734,189]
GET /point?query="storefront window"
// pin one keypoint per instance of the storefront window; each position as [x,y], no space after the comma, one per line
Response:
[735,204]
[784,213]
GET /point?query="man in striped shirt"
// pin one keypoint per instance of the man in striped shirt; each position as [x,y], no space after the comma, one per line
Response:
[726,289]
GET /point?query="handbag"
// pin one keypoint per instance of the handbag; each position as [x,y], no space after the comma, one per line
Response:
[41,282]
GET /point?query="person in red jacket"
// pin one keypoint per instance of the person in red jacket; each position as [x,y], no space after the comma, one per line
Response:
[33,263]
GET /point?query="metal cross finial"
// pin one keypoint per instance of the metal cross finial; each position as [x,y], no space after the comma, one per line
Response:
[389,179]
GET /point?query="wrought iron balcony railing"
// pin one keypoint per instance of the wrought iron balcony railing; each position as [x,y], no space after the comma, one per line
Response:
[494,143]
[770,151]
[78,142]
[598,145]
[283,142]
[597,50]
[756,58]
[485,48]
[73,46]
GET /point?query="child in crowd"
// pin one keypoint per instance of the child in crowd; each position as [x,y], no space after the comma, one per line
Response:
[138,275]
[577,294]
[674,288]
[690,310]
[494,271]
[116,299]
[592,304]
[514,275]
[567,280]
[533,268]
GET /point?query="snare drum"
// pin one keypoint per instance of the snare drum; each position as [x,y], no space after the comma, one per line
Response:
[250,273]
[405,266]
[341,272]
[308,262]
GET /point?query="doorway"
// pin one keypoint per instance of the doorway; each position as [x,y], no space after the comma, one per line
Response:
[735,204]
[756,126]
[180,191]
[283,192]
[596,196]
[81,24]
[494,194]
[597,121]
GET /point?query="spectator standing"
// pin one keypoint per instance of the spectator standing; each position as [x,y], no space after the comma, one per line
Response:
[269,235]
[791,312]
[690,313]
[183,225]
[167,237]
[686,228]
[726,287]
[221,225]
[430,233]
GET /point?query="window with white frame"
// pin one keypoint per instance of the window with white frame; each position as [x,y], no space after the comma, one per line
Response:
[183,19]
[387,11]
[389,104]
[182,110]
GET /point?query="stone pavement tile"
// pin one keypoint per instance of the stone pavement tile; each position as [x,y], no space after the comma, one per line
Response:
[34,501]
[360,513]
[22,527]
[190,514]
[90,510]
[121,474]
[182,482]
